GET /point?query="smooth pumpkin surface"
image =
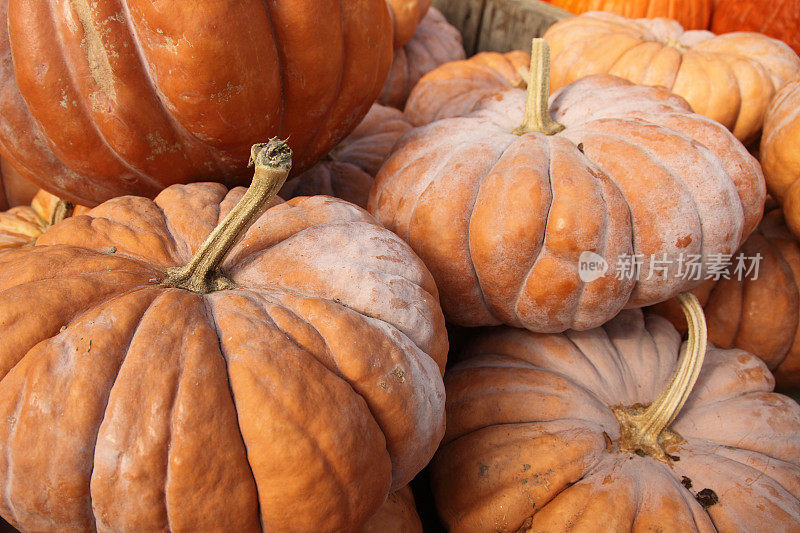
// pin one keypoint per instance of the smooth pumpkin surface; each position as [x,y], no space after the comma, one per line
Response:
[304,376]
[502,219]
[534,442]
[730,78]
[776,18]
[691,14]
[760,315]
[397,515]
[435,43]
[406,16]
[780,152]
[453,89]
[20,226]
[350,169]
[14,189]
[106,98]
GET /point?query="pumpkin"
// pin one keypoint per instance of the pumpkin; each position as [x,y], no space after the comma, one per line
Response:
[776,19]
[22,225]
[780,154]
[691,14]
[406,16]
[730,78]
[397,515]
[100,99]
[572,432]
[504,218]
[453,89]
[435,43]
[757,311]
[287,375]
[14,189]
[350,169]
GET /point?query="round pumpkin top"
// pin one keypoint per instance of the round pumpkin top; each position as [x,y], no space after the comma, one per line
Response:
[295,387]
[22,225]
[536,437]
[103,100]
[349,170]
[730,78]
[503,218]
[691,14]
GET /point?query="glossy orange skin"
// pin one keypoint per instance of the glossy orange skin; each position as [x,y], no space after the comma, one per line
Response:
[762,315]
[350,169]
[730,78]
[14,189]
[107,98]
[532,444]
[397,515]
[297,400]
[406,16]
[780,152]
[691,14]
[776,18]
[435,43]
[503,220]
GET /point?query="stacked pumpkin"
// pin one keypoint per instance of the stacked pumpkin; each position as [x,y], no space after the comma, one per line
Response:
[192,355]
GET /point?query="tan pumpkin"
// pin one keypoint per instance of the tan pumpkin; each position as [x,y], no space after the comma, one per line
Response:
[20,226]
[14,189]
[730,78]
[453,89]
[406,16]
[780,152]
[435,43]
[572,432]
[397,515]
[758,312]
[503,217]
[164,369]
[691,14]
[350,169]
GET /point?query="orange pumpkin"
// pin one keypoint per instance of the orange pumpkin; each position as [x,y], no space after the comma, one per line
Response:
[691,14]
[572,432]
[454,89]
[504,217]
[777,19]
[101,99]
[406,16]
[435,43]
[22,225]
[780,153]
[14,189]
[397,515]
[730,78]
[350,169]
[288,375]
[757,311]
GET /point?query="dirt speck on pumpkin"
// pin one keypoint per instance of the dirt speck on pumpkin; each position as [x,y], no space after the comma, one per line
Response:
[707,498]
[686,482]
[483,470]
[609,442]
[399,374]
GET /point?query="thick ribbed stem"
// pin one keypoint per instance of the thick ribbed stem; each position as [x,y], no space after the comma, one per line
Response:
[62,211]
[272,162]
[537,108]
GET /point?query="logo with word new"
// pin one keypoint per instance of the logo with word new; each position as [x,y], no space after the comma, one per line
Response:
[591,267]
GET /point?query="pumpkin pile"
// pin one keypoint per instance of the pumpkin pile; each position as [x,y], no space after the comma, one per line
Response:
[241,241]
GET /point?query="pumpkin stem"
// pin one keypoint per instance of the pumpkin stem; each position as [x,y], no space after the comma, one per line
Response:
[272,162]
[646,429]
[62,211]
[537,108]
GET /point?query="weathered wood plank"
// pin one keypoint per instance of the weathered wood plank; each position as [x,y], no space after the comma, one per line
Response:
[499,25]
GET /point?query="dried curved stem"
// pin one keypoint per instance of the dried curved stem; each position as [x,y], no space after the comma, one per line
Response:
[537,108]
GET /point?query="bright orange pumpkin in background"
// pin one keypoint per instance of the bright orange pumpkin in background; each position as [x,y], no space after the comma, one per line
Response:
[692,14]
[777,18]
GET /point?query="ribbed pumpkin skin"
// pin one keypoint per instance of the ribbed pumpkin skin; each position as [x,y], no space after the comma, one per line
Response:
[691,14]
[297,400]
[730,78]
[406,16]
[780,152]
[14,189]
[761,316]
[349,170]
[435,43]
[397,515]
[20,226]
[108,98]
[532,443]
[502,220]
[776,18]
